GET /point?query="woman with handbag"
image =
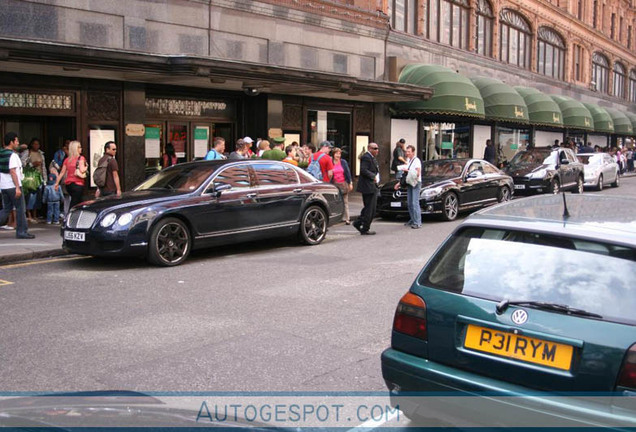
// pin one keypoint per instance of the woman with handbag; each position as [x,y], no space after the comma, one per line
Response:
[34,166]
[342,179]
[412,176]
[76,170]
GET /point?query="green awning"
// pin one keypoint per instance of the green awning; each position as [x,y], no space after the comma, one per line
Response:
[453,95]
[575,115]
[602,120]
[502,102]
[622,125]
[632,118]
[542,110]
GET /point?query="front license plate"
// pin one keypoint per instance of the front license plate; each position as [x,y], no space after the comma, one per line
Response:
[396,204]
[520,186]
[519,347]
[74,236]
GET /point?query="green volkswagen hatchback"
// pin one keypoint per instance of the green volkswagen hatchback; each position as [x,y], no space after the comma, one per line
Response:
[525,316]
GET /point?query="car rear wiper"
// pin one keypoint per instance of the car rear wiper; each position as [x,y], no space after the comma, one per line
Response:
[503,305]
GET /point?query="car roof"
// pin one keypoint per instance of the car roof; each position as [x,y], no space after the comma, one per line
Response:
[610,219]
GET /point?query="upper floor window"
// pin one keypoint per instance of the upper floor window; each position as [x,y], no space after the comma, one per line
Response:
[578,63]
[632,86]
[600,72]
[515,39]
[579,9]
[613,26]
[619,80]
[550,53]
[448,22]
[595,14]
[629,37]
[403,15]
[485,20]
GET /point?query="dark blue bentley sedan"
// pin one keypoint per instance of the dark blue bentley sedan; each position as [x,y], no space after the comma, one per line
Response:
[203,204]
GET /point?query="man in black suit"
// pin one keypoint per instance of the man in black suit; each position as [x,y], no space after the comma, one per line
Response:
[368,187]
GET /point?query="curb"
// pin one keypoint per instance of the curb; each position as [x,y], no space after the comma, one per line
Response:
[9,259]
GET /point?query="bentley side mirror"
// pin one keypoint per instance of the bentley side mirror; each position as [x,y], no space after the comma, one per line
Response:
[473,175]
[565,162]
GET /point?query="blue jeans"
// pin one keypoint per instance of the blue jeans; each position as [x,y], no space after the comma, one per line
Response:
[9,201]
[53,211]
[413,196]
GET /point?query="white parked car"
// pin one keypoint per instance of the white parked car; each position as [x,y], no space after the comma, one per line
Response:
[600,170]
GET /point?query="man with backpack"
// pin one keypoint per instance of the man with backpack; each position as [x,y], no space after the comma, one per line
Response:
[106,175]
[321,165]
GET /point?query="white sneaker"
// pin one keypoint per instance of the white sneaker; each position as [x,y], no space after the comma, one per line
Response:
[7,227]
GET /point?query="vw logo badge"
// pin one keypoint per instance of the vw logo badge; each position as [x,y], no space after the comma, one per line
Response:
[397,194]
[519,316]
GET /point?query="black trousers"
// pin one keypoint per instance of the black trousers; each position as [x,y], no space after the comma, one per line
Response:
[76,192]
[368,211]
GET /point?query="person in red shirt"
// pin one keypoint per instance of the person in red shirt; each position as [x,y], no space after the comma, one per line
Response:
[326,163]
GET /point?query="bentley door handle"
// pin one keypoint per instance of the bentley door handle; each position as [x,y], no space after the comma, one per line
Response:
[299,190]
[251,195]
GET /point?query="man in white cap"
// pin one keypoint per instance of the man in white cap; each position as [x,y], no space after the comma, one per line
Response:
[248,144]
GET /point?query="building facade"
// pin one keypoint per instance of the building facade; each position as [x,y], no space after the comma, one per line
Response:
[151,73]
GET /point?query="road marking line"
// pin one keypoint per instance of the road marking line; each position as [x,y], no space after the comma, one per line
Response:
[30,263]
[4,282]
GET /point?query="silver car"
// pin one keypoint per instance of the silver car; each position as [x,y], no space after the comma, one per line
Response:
[600,170]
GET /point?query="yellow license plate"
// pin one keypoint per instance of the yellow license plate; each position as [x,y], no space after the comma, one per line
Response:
[514,346]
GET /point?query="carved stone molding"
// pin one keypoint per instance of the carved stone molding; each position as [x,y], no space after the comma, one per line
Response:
[103,105]
[364,120]
[292,117]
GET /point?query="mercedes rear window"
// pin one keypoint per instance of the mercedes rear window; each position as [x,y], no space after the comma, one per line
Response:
[497,264]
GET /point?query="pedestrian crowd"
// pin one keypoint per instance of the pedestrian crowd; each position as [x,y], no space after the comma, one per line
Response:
[34,191]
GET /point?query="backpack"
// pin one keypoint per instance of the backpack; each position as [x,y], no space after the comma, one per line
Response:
[99,175]
[314,168]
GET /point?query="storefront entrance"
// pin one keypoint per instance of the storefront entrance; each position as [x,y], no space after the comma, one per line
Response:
[50,131]
[330,126]
[190,140]
[446,141]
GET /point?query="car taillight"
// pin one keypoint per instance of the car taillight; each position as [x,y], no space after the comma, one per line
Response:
[627,376]
[410,317]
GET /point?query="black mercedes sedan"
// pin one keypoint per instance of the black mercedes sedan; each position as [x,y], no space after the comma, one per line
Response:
[202,204]
[546,170]
[450,186]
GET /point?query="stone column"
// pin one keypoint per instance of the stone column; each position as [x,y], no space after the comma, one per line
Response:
[134,160]
[382,136]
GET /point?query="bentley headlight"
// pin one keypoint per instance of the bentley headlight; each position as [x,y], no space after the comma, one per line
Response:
[108,220]
[431,192]
[125,219]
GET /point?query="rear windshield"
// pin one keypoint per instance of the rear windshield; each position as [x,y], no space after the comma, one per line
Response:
[589,160]
[534,157]
[501,264]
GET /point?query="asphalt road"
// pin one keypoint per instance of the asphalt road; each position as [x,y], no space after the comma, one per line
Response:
[273,316]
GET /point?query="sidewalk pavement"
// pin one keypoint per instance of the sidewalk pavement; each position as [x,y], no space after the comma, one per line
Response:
[47,243]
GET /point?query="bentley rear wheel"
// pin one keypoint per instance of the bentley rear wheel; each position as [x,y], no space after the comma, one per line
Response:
[313,226]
